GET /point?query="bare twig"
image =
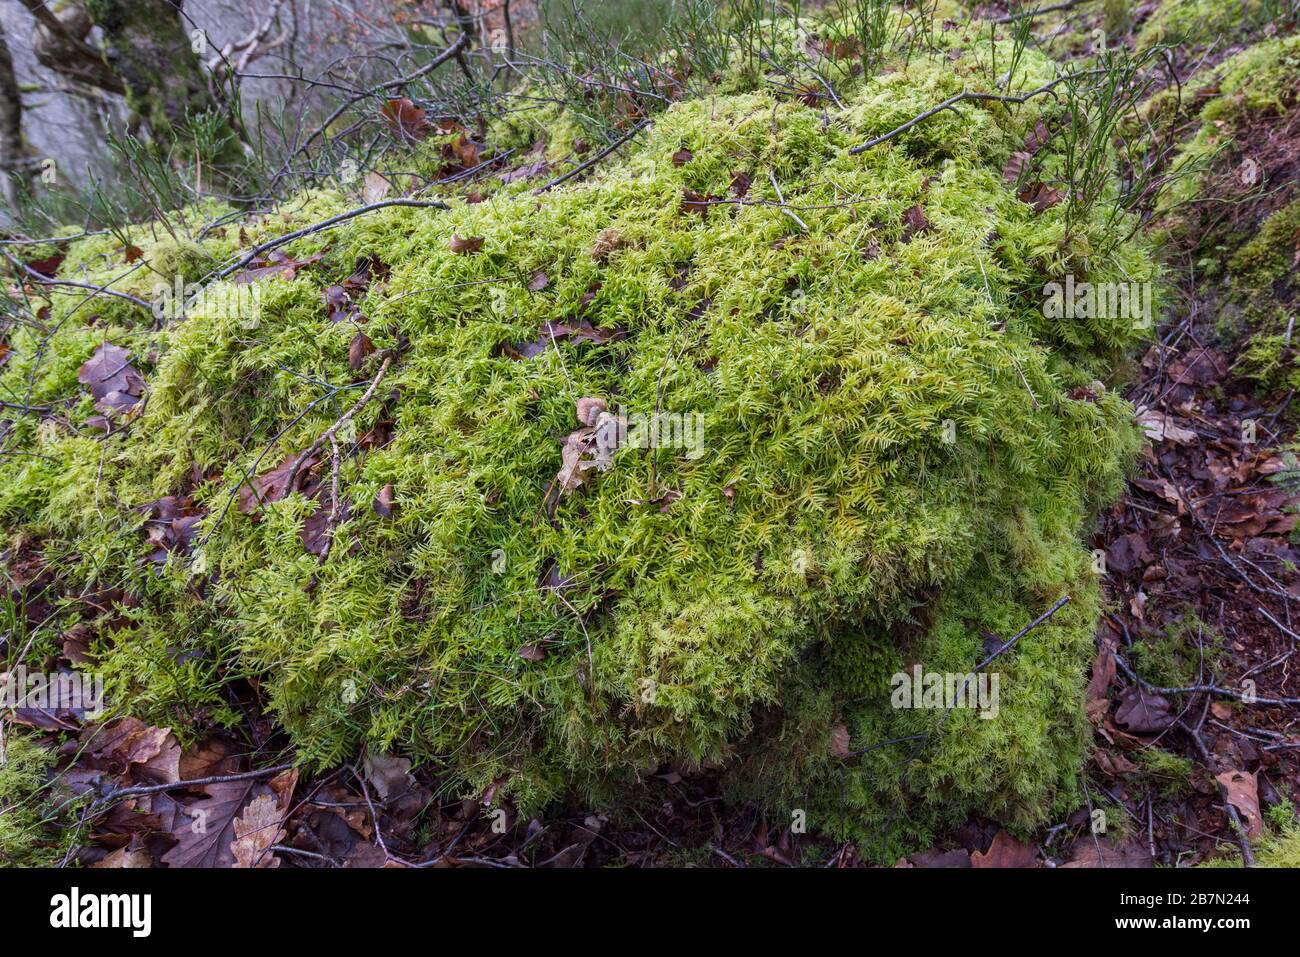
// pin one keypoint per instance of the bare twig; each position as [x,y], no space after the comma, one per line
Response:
[594,160]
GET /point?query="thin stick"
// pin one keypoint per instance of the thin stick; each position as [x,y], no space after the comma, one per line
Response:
[326,224]
[963,97]
[594,160]
[194,782]
[331,433]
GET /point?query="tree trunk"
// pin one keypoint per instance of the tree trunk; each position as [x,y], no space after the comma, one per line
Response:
[13,150]
[147,44]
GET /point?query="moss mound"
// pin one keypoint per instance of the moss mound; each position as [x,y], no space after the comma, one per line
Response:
[898,454]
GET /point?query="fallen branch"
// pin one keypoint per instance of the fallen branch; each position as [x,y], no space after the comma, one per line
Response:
[963,97]
[326,224]
[44,280]
[331,434]
[1026,14]
[1238,828]
[594,160]
[192,783]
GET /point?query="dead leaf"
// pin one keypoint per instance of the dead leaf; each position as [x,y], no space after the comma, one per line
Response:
[465,245]
[1128,553]
[682,157]
[383,504]
[1040,196]
[1113,765]
[406,121]
[589,409]
[358,350]
[527,171]
[375,187]
[840,741]
[693,202]
[125,857]
[609,241]
[937,859]
[260,826]
[1092,851]
[1242,792]
[914,223]
[1005,851]
[206,827]
[111,378]
[1103,672]
[532,653]
[539,281]
[1159,428]
[1142,712]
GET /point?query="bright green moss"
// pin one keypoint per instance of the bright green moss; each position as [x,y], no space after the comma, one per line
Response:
[1265,293]
[1197,22]
[892,462]
[28,837]
[1280,849]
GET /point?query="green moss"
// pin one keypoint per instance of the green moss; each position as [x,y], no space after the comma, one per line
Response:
[1277,849]
[1198,22]
[1266,296]
[891,464]
[1170,773]
[1176,656]
[28,835]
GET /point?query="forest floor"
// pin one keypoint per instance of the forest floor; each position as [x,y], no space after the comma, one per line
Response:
[1200,573]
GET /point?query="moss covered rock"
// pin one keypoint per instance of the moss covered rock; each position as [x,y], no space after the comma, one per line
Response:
[896,454]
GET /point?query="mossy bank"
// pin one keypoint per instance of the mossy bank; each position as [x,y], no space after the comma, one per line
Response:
[898,456]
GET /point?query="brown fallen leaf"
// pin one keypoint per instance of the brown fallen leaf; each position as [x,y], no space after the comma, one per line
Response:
[358,350]
[260,826]
[1103,672]
[1040,196]
[130,748]
[532,653]
[111,378]
[1160,428]
[274,264]
[375,187]
[384,505]
[466,245]
[1092,851]
[406,121]
[539,281]
[1242,792]
[1112,764]
[936,859]
[1142,712]
[840,741]
[125,857]
[206,828]
[693,202]
[914,223]
[608,242]
[682,157]
[1128,553]
[1005,851]
[527,171]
